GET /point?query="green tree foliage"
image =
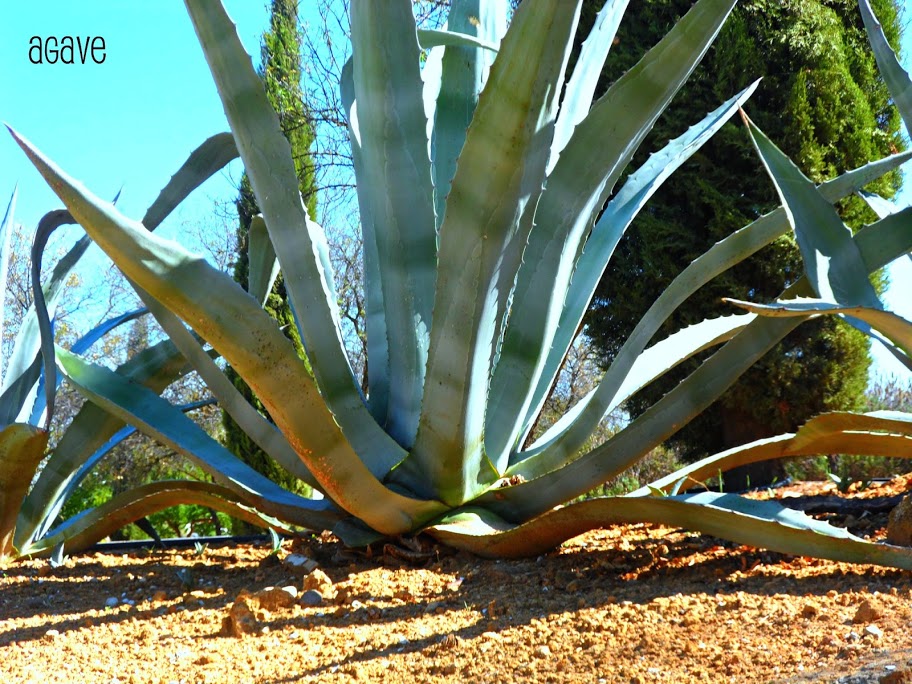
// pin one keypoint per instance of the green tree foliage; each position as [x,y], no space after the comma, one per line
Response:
[280,70]
[822,101]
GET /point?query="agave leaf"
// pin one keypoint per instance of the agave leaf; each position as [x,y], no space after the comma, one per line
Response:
[487,221]
[30,528]
[832,261]
[878,204]
[897,329]
[378,368]
[651,364]
[464,73]
[91,433]
[763,524]
[250,341]
[22,373]
[21,450]
[264,266]
[396,172]
[582,84]
[430,38]
[261,431]
[202,163]
[879,244]
[748,240]
[156,417]
[39,406]
[537,341]
[297,240]
[897,79]
[883,433]
[88,528]
[6,233]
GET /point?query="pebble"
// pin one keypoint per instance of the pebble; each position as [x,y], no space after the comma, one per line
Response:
[312,597]
[867,611]
[111,602]
[543,652]
[874,631]
[300,563]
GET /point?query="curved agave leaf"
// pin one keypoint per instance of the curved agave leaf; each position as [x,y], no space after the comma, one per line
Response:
[832,261]
[898,82]
[763,524]
[898,330]
[23,371]
[487,220]
[297,241]
[91,432]
[39,406]
[28,530]
[878,204]
[530,362]
[651,364]
[249,339]
[430,38]
[90,527]
[21,450]
[156,417]
[879,244]
[882,433]
[203,162]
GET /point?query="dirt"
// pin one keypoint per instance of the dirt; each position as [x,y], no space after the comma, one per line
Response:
[636,603]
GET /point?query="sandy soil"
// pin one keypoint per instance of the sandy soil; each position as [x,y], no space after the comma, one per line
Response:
[630,604]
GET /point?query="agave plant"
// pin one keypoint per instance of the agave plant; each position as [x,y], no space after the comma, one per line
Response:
[486,178]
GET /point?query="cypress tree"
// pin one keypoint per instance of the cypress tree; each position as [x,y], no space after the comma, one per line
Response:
[281,73]
[821,100]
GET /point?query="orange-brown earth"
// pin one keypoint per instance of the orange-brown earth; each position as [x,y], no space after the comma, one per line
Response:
[635,603]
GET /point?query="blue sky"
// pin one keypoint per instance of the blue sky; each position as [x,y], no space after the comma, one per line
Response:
[132,120]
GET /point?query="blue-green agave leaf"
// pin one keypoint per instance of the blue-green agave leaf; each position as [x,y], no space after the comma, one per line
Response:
[487,221]
[264,266]
[564,317]
[832,261]
[430,38]
[395,171]
[764,524]
[464,72]
[201,165]
[91,526]
[897,79]
[879,244]
[295,237]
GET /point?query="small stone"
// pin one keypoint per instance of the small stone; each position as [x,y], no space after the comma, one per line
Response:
[543,652]
[275,598]
[240,619]
[853,636]
[52,633]
[873,631]
[809,610]
[318,580]
[899,524]
[867,612]
[111,602]
[300,564]
[160,596]
[311,597]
